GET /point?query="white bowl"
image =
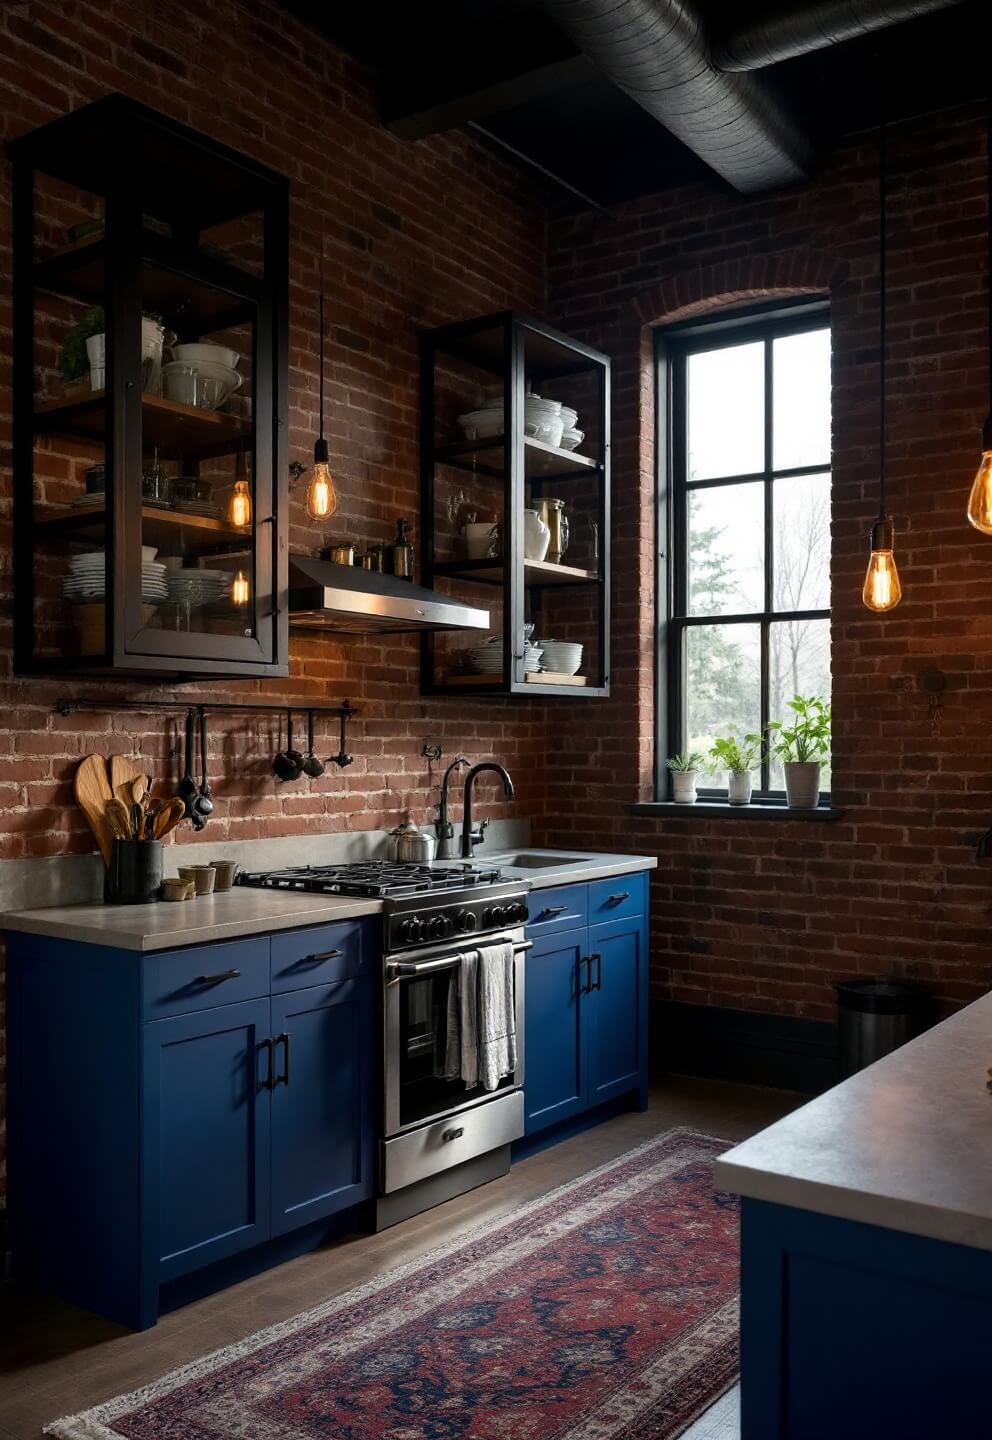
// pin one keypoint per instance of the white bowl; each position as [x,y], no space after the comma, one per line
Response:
[200,354]
[569,417]
[572,439]
[547,429]
[148,553]
[482,424]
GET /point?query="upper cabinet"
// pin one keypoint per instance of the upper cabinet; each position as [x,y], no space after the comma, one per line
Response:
[515,506]
[150,379]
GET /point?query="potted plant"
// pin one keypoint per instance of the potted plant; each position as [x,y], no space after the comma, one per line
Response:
[738,758]
[801,745]
[685,768]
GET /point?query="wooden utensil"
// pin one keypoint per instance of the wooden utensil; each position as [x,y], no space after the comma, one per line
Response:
[168,817]
[139,789]
[123,773]
[118,818]
[91,788]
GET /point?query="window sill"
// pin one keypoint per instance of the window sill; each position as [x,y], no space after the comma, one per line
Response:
[720,810]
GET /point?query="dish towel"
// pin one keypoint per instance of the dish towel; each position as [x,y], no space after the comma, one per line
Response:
[481,1020]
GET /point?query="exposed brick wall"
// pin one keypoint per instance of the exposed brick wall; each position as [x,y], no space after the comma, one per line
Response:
[766,915]
[414,235]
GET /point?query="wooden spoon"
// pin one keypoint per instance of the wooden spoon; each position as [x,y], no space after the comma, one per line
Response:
[123,773]
[168,817]
[91,787]
[118,819]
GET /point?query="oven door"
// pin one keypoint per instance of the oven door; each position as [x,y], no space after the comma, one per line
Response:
[415,1041]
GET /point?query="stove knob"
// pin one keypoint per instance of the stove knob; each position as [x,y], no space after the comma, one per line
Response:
[495,916]
[516,913]
[467,921]
[437,927]
[409,931]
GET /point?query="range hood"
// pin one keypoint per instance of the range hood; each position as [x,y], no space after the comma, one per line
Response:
[326,596]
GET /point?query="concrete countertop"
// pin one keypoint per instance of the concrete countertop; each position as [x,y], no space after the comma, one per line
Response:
[245,911]
[905,1145]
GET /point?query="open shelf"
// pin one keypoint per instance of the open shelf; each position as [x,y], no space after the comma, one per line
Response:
[158,527]
[179,431]
[536,572]
[539,459]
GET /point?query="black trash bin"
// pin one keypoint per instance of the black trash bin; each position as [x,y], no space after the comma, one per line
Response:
[875,1017]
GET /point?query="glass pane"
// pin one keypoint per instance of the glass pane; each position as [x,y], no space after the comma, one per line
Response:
[801,418]
[798,664]
[726,411]
[727,549]
[723,682]
[802,543]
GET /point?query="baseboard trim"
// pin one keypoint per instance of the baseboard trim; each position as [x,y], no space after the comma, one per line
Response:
[749,1046]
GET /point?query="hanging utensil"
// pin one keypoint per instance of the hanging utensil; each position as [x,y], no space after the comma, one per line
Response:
[342,758]
[188,789]
[312,765]
[205,802]
[288,764]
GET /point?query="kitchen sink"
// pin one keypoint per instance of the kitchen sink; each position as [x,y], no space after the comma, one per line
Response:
[526,860]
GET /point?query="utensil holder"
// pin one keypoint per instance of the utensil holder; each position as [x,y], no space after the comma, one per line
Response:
[134,873]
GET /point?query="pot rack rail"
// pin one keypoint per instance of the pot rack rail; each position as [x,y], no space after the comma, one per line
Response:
[344,711]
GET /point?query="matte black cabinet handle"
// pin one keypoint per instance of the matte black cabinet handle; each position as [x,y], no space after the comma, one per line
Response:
[282,1079]
[618,899]
[316,959]
[585,989]
[550,910]
[266,1045]
[454,1134]
[219,978]
[596,984]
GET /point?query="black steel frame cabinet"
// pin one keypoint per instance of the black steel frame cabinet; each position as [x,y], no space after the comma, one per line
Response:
[138,161]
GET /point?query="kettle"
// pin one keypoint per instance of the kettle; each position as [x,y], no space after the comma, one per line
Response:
[412,844]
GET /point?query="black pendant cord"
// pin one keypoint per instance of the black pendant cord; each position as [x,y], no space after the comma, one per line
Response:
[988,274]
[883,333]
[321,381]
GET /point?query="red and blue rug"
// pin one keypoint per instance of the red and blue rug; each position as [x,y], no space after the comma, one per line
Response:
[606,1310]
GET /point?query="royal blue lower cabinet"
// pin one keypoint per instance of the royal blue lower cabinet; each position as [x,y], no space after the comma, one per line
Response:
[322,1141]
[554,1030]
[206,1129]
[861,1332]
[617,1038]
[586,1006]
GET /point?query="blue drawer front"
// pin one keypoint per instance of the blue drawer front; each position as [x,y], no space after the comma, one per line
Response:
[177,982]
[618,897]
[561,907]
[319,955]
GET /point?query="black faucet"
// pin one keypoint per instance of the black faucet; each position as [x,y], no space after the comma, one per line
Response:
[444,829]
[470,837]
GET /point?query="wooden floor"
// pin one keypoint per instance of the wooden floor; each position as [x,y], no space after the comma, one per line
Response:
[55,1359]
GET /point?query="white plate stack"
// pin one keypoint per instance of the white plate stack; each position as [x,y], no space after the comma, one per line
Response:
[561,657]
[87,579]
[487,659]
[195,587]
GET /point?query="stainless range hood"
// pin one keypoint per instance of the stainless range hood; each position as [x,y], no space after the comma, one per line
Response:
[325,596]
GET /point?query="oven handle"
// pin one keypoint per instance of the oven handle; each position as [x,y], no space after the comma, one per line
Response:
[403,970]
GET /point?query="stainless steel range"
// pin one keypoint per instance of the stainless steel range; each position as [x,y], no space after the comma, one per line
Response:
[439,1136]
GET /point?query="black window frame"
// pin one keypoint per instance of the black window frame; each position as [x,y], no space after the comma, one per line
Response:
[673,346]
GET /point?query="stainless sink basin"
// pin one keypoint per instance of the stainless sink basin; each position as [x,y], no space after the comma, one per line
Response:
[526,860]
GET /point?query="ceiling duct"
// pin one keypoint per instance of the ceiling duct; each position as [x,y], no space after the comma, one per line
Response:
[657,52]
[791,30]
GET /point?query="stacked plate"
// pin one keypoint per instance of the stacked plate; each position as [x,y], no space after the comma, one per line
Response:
[543,420]
[561,657]
[87,578]
[487,658]
[195,587]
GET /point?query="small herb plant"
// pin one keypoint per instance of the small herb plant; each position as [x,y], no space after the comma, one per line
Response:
[75,361]
[737,756]
[807,738]
[685,763]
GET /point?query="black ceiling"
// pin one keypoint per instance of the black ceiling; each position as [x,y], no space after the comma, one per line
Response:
[502,67]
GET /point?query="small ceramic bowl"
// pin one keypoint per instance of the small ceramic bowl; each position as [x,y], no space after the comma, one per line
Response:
[176,888]
[204,877]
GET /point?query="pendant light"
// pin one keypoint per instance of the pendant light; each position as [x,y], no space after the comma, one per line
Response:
[980,499]
[322,500]
[882,590]
[239,505]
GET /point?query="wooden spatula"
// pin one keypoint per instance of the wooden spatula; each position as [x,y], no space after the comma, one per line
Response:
[168,817]
[91,788]
[118,819]
[123,773]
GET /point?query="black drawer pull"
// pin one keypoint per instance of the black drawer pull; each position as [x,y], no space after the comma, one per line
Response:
[266,1045]
[551,910]
[596,984]
[316,959]
[282,1079]
[618,899]
[587,987]
[454,1134]
[219,978]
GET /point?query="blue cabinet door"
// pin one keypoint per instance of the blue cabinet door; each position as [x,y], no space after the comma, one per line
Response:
[206,1140]
[554,1025]
[322,1142]
[617,1009]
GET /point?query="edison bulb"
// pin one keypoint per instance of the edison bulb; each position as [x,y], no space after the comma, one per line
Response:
[980,499]
[239,509]
[321,497]
[240,589]
[882,588]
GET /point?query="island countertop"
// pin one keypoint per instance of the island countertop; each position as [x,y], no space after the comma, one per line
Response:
[249,911]
[905,1144]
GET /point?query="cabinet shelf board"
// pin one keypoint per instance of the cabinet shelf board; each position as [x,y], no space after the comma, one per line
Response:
[536,572]
[539,459]
[159,527]
[177,430]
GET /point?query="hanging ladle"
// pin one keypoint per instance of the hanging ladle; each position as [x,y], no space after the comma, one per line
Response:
[312,765]
[203,805]
[342,758]
[288,764]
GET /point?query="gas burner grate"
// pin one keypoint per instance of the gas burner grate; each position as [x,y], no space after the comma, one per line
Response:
[377,878]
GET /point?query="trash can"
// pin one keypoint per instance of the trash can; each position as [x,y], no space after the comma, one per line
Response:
[875,1017]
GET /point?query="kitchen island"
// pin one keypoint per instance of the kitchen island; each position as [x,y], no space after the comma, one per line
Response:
[866,1250]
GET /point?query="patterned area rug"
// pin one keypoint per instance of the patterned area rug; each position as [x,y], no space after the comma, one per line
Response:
[606,1310]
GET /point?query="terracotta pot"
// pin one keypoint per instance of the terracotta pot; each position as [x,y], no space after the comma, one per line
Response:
[684,786]
[802,784]
[739,787]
